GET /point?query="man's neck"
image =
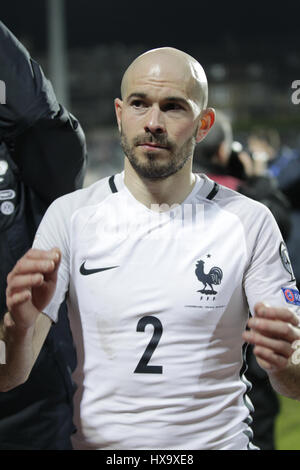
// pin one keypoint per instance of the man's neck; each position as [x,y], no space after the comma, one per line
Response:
[172,190]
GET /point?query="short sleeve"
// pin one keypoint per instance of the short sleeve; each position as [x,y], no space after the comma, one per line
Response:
[52,233]
[269,276]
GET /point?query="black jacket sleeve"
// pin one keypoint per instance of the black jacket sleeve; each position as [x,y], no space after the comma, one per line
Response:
[45,141]
[51,156]
[29,95]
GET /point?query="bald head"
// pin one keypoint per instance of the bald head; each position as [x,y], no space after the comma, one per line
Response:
[167,63]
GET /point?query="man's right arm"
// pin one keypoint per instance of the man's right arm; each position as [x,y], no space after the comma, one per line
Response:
[30,287]
[22,347]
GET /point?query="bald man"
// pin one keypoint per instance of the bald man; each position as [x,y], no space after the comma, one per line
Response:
[160,268]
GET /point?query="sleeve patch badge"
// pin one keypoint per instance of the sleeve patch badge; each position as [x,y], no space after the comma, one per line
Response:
[286,262]
[292,296]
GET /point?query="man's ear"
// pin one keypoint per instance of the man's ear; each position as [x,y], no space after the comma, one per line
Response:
[206,122]
[118,110]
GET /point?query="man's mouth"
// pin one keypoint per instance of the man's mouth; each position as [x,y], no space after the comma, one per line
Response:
[152,145]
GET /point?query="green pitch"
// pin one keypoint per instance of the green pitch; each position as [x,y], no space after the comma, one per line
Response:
[288,425]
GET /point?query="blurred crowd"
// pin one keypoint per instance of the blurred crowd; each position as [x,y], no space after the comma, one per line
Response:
[260,167]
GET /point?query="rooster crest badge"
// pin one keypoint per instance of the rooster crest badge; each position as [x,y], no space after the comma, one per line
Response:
[214,277]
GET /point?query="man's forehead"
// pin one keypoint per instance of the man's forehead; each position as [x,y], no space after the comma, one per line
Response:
[159,84]
[158,68]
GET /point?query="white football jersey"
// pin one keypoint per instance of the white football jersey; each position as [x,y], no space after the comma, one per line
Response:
[157,304]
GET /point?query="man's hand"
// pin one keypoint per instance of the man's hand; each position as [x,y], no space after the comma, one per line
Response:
[272,332]
[31,285]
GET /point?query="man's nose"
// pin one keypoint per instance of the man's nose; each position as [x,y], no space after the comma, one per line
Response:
[155,122]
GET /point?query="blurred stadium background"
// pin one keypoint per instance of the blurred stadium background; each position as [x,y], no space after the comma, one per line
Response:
[250,52]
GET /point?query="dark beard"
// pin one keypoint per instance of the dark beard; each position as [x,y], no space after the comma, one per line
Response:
[153,168]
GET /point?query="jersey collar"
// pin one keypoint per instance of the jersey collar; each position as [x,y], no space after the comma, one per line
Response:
[206,187]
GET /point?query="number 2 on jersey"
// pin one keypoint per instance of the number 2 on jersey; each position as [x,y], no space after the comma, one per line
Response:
[143,367]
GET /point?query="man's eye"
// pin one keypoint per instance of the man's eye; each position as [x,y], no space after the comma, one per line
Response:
[172,107]
[137,103]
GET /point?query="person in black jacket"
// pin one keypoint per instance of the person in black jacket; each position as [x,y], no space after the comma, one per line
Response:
[42,156]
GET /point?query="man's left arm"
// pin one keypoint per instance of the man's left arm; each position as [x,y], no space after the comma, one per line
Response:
[275,334]
[274,303]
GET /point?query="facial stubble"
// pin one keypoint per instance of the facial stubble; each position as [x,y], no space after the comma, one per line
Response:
[153,167]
